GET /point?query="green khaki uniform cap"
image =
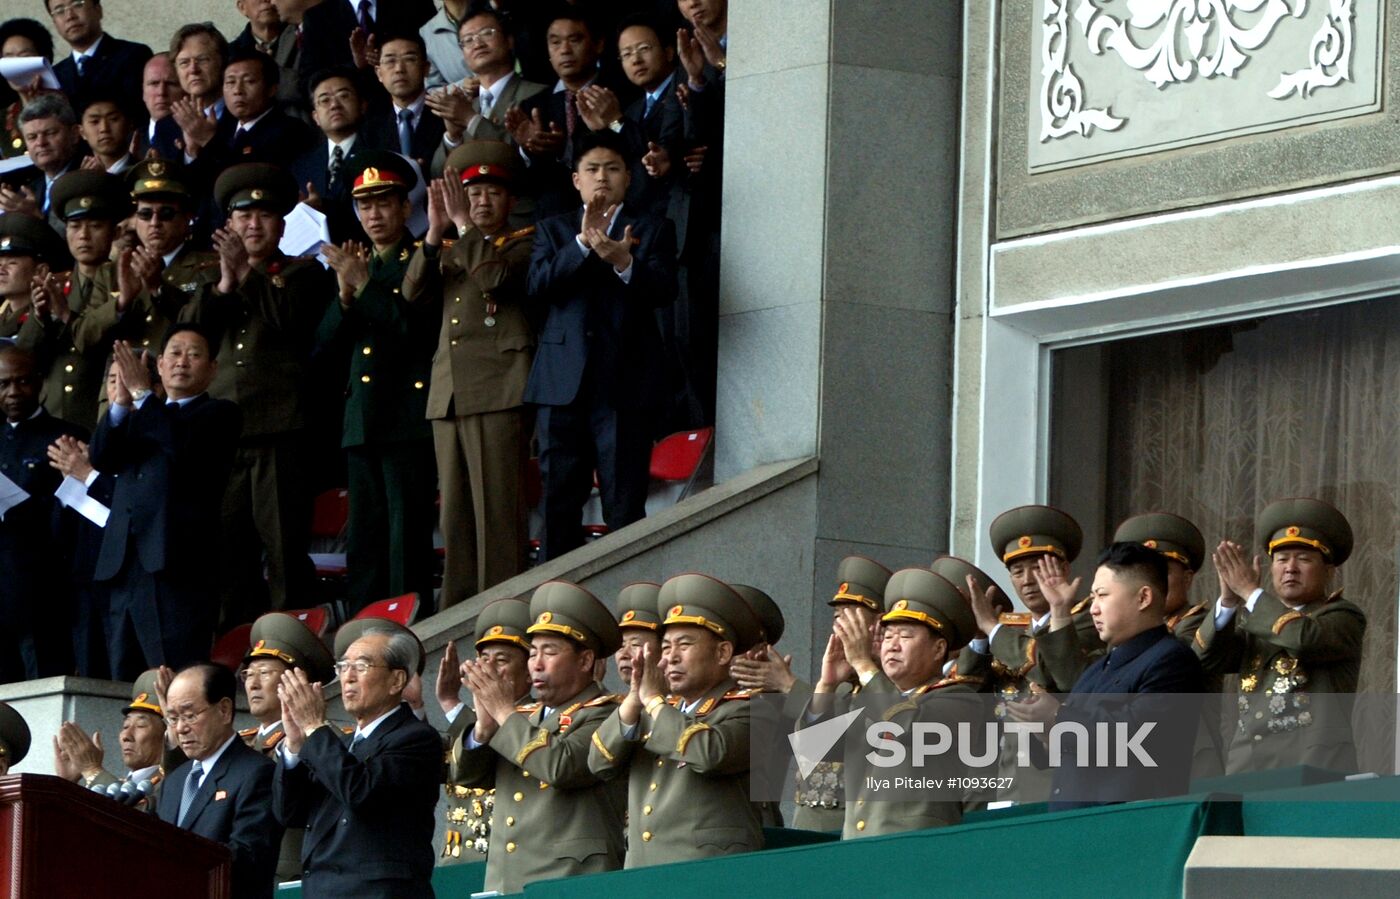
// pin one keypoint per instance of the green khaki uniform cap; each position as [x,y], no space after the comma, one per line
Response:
[143,695]
[1171,535]
[504,621]
[956,571]
[862,583]
[256,185]
[23,235]
[636,606]
[87,194]
[280,636]
[560,607]
[379,172]
[14,735]
[1035,531]
[354,629]
[917,594]
[485,161]
[703,601]
[769,615]
[1306,523]
[159,179]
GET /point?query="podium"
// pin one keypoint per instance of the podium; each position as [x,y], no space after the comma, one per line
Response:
[58,839]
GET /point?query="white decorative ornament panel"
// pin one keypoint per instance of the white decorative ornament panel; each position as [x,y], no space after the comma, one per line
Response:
[1115,78]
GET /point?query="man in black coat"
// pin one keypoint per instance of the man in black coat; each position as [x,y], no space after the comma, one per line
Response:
[33,550]
[323,172]
[224,793]
[98,58]
[600,375]
[404,125]
[368,803]
[1148,681]
[172,461]
[255,130]
[327,27]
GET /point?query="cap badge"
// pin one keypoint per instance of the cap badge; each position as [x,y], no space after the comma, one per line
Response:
[4,243]
[85,202]
[260,644]
[1024,542]
[496,630]
[370,176]
[901,605]
[629,615]
[545,618]
[1292,531]
[845,587]
[485,169]
[674,611]
[1150,544]
[156,168]
[257,193]
[141,697]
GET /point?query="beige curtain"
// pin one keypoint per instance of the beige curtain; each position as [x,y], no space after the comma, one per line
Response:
[1214,424]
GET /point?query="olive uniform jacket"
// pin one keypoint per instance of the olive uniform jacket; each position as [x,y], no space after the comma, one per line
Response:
[688,778]
[553,816]
[486,344]
[289,858]
[1284,657]
[151,314]
[266,329]
[25,328]
[390,344]
[75,378]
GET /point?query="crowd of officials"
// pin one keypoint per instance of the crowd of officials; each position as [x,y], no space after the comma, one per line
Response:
[522,204]
[548,774]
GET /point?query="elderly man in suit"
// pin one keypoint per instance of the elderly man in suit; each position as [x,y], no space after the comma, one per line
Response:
[601,374]
[98,58]
[267,32]
[481,429]
[224,792]
[51,137]
[172,462]
[367,806]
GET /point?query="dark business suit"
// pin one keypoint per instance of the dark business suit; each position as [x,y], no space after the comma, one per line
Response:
[381,127]
[663,125]
[116,66]
[172,466]
[600,374]
[368,815]
[551,177]
[233,807]
[325,31]
[1150,678]
[275,138]
[35,544]
[313,167]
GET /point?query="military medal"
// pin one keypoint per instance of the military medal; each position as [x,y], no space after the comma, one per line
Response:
[490,320]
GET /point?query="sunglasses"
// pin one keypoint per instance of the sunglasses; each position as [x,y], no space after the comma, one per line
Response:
[162,214]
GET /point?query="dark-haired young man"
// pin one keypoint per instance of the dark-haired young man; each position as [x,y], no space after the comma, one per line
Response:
[600,374]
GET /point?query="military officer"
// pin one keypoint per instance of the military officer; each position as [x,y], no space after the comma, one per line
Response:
[1296,648]
[926,620]
[503,646]
[770,813]
[682,736]
[78,757]
[481,428]
[553,815]
[14,738]
[974,659]
[156,278]
[640,624]
[388,444]
[265,307]
[1181,544]
[279,642]
[26,244]
[90,204]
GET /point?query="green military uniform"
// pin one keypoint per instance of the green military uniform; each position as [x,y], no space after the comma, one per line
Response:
[151,313]
[1285,656]
[14,738]
[76,378]
[470,808]
[21,235]
[770,814]
[553,815]
[636,607]
[920,596]
[389,451]
[819,796]
[283,637]
[143,699]
[687,763]
[1181,543]
[481,428]
[266,330]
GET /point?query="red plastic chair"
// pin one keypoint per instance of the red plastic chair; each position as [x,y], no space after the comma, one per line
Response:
[317,620]
[330,513]
[677,458]
[230,649]
[398,609]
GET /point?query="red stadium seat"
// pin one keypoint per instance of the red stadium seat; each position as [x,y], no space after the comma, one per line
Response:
[330,513]
[317,619]
[398,609]
[677,458]
[230,649]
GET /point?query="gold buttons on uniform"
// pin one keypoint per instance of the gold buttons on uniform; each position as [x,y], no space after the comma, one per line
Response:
[418,384]
[524,773]
[238,346]
[67,388]
[145,343]
[454,341]
[652,787]
[150,318]
[456,321]
[860,825]
[456,299]
[646,836]
[510,822]
[68,368]
[364,379]
[510,847]
[519,796]
[366,351]
[661,763]
[646,810]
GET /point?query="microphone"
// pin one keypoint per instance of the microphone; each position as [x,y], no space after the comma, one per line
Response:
[99,789]
[129,794]
[113,790]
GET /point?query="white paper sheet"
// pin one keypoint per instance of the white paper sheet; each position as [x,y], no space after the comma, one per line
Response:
[303,232]
[14,163]
[11,495]
[22,69]
[73,494]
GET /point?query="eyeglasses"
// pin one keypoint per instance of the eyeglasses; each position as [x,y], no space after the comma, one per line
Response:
[359,666]
[187,718]
[261,674]
[160,214]
[58,11]
[484,36]
[636,50]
